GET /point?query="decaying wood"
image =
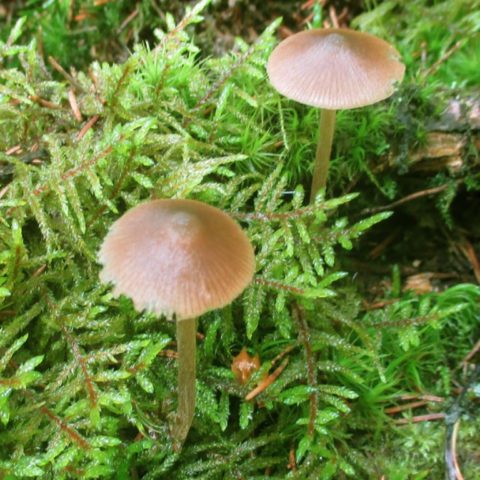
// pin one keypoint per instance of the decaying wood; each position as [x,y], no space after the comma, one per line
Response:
[441,150]
[449,137]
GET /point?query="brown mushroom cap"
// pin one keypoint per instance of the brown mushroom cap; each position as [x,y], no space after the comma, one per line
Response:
[177,257]
[335,68]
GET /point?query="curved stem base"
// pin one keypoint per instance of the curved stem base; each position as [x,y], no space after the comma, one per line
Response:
[186,347]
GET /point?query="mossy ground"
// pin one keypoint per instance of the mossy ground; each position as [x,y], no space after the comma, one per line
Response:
[172,108]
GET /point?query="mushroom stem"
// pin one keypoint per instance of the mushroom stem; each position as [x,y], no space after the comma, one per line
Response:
[324,149]
[186,346]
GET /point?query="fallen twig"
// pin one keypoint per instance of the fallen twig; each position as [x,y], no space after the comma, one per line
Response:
[453,468]
[266,382]
[420,418]
[65,74]
[408,198]
[87,127]
[467,249]
[74,105]
[442,59]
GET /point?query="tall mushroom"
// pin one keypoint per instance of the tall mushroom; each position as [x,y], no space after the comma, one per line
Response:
[178,259]
[333,69]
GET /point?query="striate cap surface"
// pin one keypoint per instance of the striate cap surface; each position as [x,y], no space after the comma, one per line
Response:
[177,258]
[335,68]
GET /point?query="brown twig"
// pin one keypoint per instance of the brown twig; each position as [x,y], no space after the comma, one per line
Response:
[128,20]
[421,418]
[406,406]
[379,248]
[39,271]
[379,304]
[65,74]
[45,103]
[408,198]
[427,397]
[95,85]
[266,382]
[73,434]
[451,454]
[4,190]
[443,58]
[471,354]
[87,127]
[333,16]
[292,462]
[74,105]
[467,248]
[14,150]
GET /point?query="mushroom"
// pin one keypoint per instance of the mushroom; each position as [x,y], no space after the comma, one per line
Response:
[333,69]
[178,259]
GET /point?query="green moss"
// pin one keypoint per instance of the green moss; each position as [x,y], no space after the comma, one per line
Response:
[87,385]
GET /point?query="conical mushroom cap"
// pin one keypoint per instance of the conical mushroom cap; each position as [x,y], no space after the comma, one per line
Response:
[177,257]
[335,68]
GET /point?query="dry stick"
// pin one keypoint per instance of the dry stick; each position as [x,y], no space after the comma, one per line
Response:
[428,397]
[408,198]
[74,105]
[45,103]
[74,435]
[128,20]
[87,127]
[267,381]
[467,248]
[4,190]
[454,472]
[406,406]
[298,314]
[333,16]
[420,418]
[442,59]
[471,354]
[186,349]
[324,150]
[452,420]
[13,150]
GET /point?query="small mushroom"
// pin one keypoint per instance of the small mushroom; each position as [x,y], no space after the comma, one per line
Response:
[244,366]
[333,69]
[178,259]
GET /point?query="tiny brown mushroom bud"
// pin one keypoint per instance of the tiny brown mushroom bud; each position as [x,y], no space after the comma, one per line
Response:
[244,366]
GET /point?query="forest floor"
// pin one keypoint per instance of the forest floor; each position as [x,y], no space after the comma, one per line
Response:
[413,278]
